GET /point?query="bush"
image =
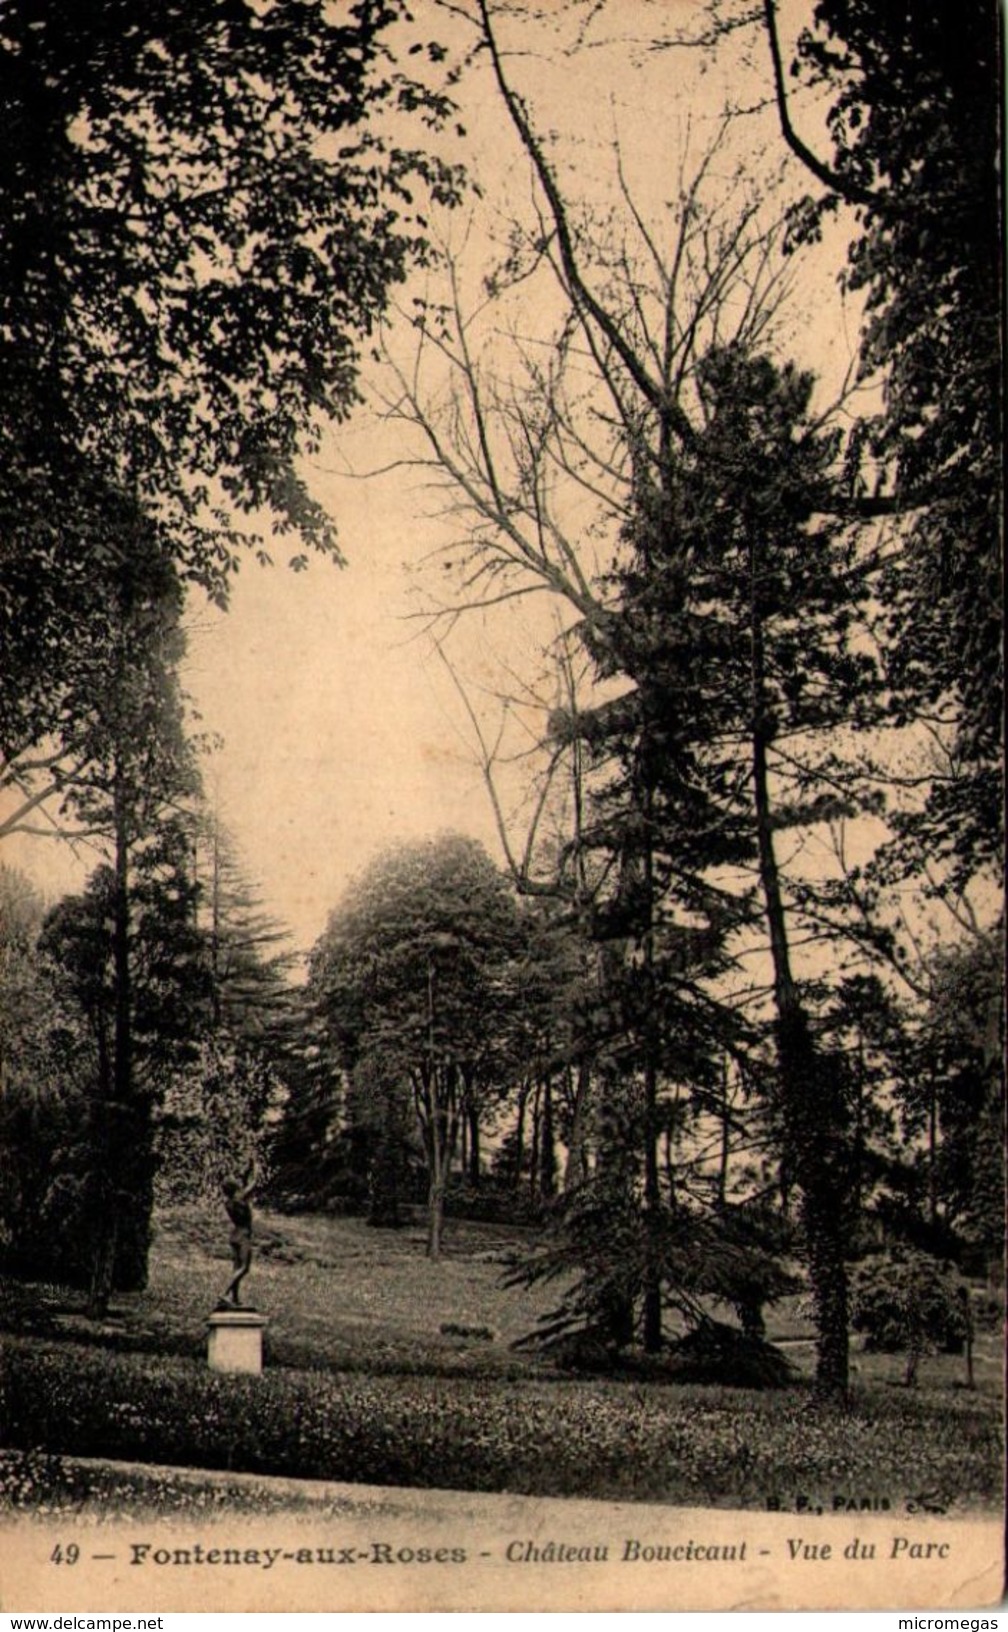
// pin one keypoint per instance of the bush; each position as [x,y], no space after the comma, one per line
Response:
[988,1310]
[716,1353]
[32,1480]
[603,1248]
[909,1301]
[492,1202]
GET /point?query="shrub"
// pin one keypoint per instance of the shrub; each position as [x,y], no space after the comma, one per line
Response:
[909,1301]
[988,1310]
[32,1480]
[601,1246]
[493,1201]
[716,1353]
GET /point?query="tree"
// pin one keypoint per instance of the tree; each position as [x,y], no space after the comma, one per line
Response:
[913,120]
[249,962]
[38,1101]
[654,465]
[133,785]
[98,1191]
[907,1300]
[753,486]
[525,446]
[318,1152]
[246,1033]
[605,1249]
[202,215]
[210,1119]
[21,913]
[736,623]
[722,485]
[956,1096]
[547,1051]
[412,977]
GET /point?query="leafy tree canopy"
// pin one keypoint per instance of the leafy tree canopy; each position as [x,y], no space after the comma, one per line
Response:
[202,212]
[417,954]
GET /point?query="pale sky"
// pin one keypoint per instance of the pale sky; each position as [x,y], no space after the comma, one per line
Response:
[337,725]
[341,730]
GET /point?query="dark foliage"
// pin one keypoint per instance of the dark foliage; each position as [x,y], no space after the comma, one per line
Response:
[716,1353]
[915,124]
[906,1300]
[202,215]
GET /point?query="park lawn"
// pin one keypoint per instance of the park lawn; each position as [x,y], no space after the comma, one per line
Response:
[362,1384]
[686,1445]
[337,1295]
[341,1295]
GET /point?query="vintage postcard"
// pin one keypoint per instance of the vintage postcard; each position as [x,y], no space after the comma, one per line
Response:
[501,914]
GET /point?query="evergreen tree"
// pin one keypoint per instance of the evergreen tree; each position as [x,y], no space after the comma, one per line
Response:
[737,623]
[98,1192]
[133,785]
[246,1033]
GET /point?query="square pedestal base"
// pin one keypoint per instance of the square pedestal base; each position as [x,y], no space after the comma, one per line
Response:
[235,1340]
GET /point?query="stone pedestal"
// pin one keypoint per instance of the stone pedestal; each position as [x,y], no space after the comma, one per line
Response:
[235,1340]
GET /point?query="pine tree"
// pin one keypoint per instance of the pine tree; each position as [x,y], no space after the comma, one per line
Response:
[738,623]
[134,782]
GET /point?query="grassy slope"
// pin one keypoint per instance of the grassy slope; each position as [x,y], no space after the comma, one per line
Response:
[338,1294]
[448,1409]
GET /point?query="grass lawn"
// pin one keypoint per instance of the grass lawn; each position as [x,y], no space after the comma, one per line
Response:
[362,1383]
[338,1295]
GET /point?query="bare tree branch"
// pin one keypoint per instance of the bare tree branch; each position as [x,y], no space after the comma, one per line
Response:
[845,186]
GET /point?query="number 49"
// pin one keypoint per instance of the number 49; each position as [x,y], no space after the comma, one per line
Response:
[65,1555]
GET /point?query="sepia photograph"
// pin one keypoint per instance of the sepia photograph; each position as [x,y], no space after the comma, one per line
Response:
[501,800]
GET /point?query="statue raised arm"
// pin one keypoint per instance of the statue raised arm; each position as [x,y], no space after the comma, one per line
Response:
[238,1209]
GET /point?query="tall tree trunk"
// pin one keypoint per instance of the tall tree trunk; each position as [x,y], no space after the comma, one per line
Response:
[725,1109]
[436,1161]
[444,1133]
[547,1143]
[435,1132]
[134,1213]
[534,1153]
[576,1167]
[652,1184]
[612,1158]
[670,1175]
[519,1146]
[102,1202]
[103,1261]
[122,1063]
[807,1090]
[933,1151]
[118,1209]
[858,1154]
[472,1117]
[131,1140]
[652,1209]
